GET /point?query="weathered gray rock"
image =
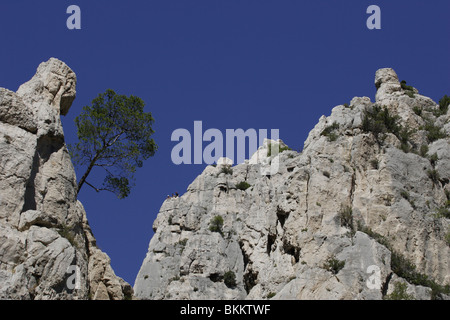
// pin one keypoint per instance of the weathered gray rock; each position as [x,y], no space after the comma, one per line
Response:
[325,224]
[53,85]
[47,250]
[442,149]
[387,83]
[14,112]
[17,156]
[48,95]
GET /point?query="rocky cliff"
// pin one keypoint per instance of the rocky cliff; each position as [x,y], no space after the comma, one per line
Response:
[47,249]
[361,213]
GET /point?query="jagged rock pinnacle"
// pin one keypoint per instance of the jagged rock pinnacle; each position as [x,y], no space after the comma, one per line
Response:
[358,198]
[44,234]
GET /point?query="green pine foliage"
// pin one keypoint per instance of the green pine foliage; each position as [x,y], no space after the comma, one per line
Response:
[114,134]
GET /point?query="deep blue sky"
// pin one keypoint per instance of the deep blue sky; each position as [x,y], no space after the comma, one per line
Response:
[230,63]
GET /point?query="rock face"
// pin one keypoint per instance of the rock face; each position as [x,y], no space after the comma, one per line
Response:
[47,248]
[364,207]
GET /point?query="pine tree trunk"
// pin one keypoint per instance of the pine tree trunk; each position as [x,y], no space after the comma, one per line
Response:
[84,177]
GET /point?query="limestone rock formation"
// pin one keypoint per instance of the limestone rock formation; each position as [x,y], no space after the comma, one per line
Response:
[364,207]
[47,250]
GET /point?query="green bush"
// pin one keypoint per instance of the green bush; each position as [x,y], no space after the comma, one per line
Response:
[442,212]
[271,295]
[243,185]
[374,163]
[176,278]
[433,159]
[399,264]
[404,194]
[346,217]
[229,278]
[423,150]
[399,293]
[417,110]
[404,136]
[332,136]
[404,268]
[444,103]
[405,147]
[285,148]
[67,233]
[280,149]
[226,169]
[434,132]
[409,91]
[443,106]
[376,236]
[433,175]
[447,238]
[378,121]
[333,265]
[405,86]
[183,242]
[216,224]
[329,132]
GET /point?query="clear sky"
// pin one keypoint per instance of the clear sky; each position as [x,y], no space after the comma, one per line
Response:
[228,63]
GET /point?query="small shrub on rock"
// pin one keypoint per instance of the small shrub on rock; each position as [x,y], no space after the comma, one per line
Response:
[229,278]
